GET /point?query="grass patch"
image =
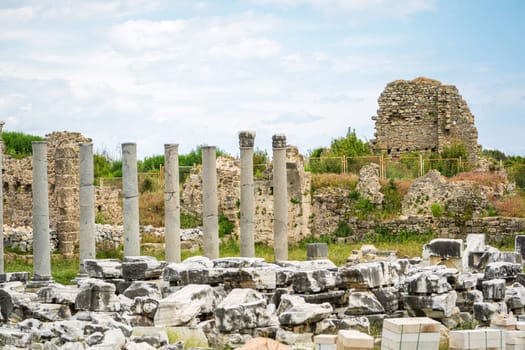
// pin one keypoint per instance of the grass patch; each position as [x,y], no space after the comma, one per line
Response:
[334,180]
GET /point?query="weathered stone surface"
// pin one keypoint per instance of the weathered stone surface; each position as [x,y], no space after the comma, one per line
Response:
[263,344]
[260,278]
[145,306]
[369,275]
[368,185]
[333,325]
[515,296]
[238,262]
[466,299]
[193,270]
[493,290]
[52,312]
[388,297]
[293,311]
[96,295]
[103,268]
[443,247]
[14,337]
[501,269]
[415,115]
[242,309]
[426,283]
[336,298]
[484,312]
[143,289]
[58,294]
[363,303]
[433,306]
[293,338]
[433,188]
[313,281]
[182,306]
[142,268]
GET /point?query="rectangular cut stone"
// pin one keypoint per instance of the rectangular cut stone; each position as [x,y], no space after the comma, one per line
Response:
[411,325]
[259,278]
[181,307]
[103,268]
[409,341]
[325,339]
[352,340]
[142,268]
[241,309]
[519,245]
[443,247]
[513,337]
[486,338]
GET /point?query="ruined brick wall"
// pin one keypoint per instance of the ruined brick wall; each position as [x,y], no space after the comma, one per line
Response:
[228,175]
[63,176]
[423,115]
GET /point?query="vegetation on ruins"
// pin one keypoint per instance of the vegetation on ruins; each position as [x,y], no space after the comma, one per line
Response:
[18,144]
[347,146]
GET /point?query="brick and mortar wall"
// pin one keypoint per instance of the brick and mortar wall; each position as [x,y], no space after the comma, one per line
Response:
[423,115]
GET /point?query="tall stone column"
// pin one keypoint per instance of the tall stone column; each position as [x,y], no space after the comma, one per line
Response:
[210,203]
[41,251]
[66,197]
[1,205]
[172,202]
[87,205]
[130,191]
[246,139]
[280,198]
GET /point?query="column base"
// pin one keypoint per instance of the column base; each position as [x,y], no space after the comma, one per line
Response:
[39,281]
[14,276]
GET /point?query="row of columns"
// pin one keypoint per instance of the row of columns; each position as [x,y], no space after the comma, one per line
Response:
[40,211]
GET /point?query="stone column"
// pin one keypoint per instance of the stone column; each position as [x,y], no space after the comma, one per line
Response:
[280,198]
[41,251]
[87,205]
[210,203]
[1,205]
[130,193]
[172,202]
[247,194]
[66,163]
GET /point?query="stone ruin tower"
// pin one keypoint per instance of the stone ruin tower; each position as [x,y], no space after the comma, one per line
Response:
[423,115]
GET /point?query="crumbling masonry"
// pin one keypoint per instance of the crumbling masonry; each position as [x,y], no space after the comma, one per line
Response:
[423,115]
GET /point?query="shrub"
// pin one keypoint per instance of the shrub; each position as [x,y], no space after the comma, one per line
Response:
[437,210]
[188,220]
[19,145]
[513,206]
[226,226]
[343,230]
[392,198]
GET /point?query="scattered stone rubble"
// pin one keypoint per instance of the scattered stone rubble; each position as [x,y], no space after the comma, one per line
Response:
[142,303]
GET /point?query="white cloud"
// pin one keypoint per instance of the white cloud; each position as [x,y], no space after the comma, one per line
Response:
[360,9]
[144,34]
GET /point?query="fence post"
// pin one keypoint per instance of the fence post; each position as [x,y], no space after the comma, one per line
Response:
[420,165]
[460,165]
[382,165]
[101,181]
[344,160]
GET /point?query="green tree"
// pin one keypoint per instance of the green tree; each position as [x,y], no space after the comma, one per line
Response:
[18,144]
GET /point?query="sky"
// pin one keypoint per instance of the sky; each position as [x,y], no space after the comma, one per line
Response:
[198,72]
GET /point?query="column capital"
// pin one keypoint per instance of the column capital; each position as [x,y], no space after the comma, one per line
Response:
[279,141]
[246,138]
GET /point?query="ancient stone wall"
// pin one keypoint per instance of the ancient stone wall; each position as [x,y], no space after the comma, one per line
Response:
[329,207]
[228,174]
[63,177]
[423,115]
